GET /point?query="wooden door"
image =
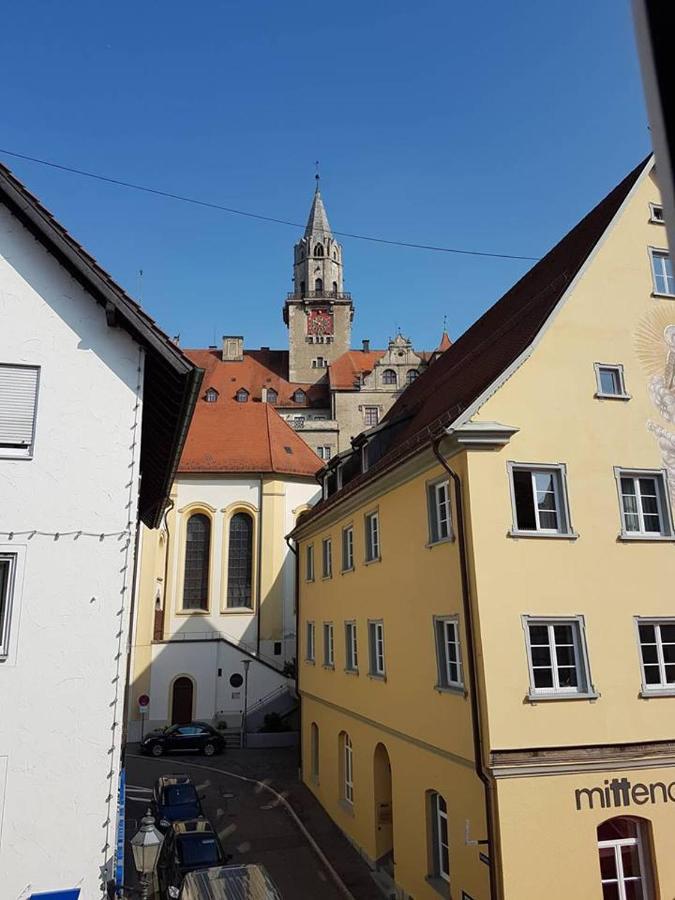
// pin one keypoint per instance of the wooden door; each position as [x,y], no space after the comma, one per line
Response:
[181,705]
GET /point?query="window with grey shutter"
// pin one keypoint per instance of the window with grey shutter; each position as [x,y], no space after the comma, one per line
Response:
[18,397]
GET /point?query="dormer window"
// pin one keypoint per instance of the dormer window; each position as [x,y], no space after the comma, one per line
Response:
[299,397]
[272,395]
[241,395]
[656,214]
[318,250]
[211,395]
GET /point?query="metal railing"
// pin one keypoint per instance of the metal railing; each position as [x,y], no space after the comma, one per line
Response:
[319,295]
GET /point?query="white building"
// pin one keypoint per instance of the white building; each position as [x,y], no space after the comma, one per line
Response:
[93,397]
[216,586]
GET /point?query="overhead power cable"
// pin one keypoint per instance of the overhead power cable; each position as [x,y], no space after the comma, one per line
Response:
[251,215]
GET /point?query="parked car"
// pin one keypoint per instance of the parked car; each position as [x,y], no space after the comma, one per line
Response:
[250,882]
[187,846]
[175,799]
[195,737]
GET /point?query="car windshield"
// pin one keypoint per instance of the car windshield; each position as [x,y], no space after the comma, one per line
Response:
[199,850]
[172,729]
[179,794]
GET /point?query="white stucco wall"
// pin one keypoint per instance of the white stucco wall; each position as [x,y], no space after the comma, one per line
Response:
[62,686]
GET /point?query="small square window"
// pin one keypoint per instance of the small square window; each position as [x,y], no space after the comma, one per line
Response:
[309,563]
[657,654]
[328,645]
[438,503]
[348,548]
[557,657]
[376,648]
[539,500]
[610,381]
[310,646]
[662,272]
[448,652]
[18,405]
[351,648]
[656,214]
[372,537]
[645,508]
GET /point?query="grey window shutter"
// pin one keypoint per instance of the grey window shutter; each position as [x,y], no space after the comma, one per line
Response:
[18,393]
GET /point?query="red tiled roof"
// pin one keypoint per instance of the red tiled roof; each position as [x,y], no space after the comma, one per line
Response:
[346,369]
[445,343]
[494,342]
[257,370]
[245,437]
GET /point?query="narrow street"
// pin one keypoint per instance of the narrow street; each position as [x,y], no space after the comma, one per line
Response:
[251,822]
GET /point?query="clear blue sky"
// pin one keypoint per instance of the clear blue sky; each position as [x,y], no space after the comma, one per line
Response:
[491,126]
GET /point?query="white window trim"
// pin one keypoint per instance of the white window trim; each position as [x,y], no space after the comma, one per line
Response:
[375,652]
[586,690]
[653,690]
[652,251]
[348,766]
[599,393]
[561,498]
[328,645]
[370,533]
[351,648]
[663,502]
[9,633]
[444,683]
[310,645]
[433,510]
[327,558]
[441,815]
[27,452]
[652,208]
[309,562]
[350,529]
[616,845]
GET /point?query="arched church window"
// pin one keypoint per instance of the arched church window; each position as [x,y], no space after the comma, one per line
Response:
[335,287]
[318,285]
[240,560]
[389,377]
[242,395]
[197,548]
[318,250]
[411,375]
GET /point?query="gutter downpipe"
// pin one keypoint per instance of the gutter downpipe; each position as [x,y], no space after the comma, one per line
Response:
[471,654]
[294,551]
[259,568]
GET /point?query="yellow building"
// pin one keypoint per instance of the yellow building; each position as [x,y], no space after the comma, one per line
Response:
[487,621]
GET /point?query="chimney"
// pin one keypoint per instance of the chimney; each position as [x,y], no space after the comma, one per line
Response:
[366,345]
[233,348]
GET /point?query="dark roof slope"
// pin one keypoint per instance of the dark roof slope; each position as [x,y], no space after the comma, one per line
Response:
[487,349]
[171,380]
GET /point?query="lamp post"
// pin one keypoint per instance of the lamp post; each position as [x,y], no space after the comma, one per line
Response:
[247,663]
[145,846]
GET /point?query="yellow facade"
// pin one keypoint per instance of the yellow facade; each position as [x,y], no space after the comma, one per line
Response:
[539,748]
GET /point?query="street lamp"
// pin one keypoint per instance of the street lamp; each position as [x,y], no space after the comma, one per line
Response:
[247,663]
[145,845]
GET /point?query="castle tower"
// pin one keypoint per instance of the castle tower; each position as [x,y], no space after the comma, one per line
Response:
[318,312]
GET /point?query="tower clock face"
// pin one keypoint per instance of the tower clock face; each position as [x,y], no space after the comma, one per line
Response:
[320,322]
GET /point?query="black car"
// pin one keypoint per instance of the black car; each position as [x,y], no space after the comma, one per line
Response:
[187,846]
[195,737]
[175,799]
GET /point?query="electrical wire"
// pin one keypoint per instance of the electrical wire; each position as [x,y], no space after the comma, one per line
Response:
[242,212]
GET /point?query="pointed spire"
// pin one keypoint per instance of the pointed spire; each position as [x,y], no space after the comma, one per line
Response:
[317,223]
[445,343]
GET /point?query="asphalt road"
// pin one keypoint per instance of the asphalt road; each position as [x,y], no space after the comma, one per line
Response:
[251,823]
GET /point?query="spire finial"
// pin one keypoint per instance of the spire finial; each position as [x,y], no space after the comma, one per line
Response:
[317,176]
[445,323]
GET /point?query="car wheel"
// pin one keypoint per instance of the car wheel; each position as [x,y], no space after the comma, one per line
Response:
[157,750]
[209,749]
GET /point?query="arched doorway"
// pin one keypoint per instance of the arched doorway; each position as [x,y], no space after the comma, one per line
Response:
[384,812]
[181,701]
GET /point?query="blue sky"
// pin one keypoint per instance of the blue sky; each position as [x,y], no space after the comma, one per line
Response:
[490,126]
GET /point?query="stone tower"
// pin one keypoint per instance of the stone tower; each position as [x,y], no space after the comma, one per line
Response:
[318,312]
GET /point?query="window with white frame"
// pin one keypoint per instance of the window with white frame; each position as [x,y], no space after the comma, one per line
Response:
[310,652]
[7,574]
[347,753]
[351,648]
[645,510]
[557,657]
[18,404]
[327,557]
[376,648]
[448,652]
[539,499]
[656,214]
[623,844]
[610,381]
[372,523]
[211,395]
[309,562]
[371,416]
[662,272]
[348,548]
[657,654]
[440,849]
[324,452]
[438,500]
[328,645]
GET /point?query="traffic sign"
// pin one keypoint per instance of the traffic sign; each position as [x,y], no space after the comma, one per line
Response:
[143,703]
